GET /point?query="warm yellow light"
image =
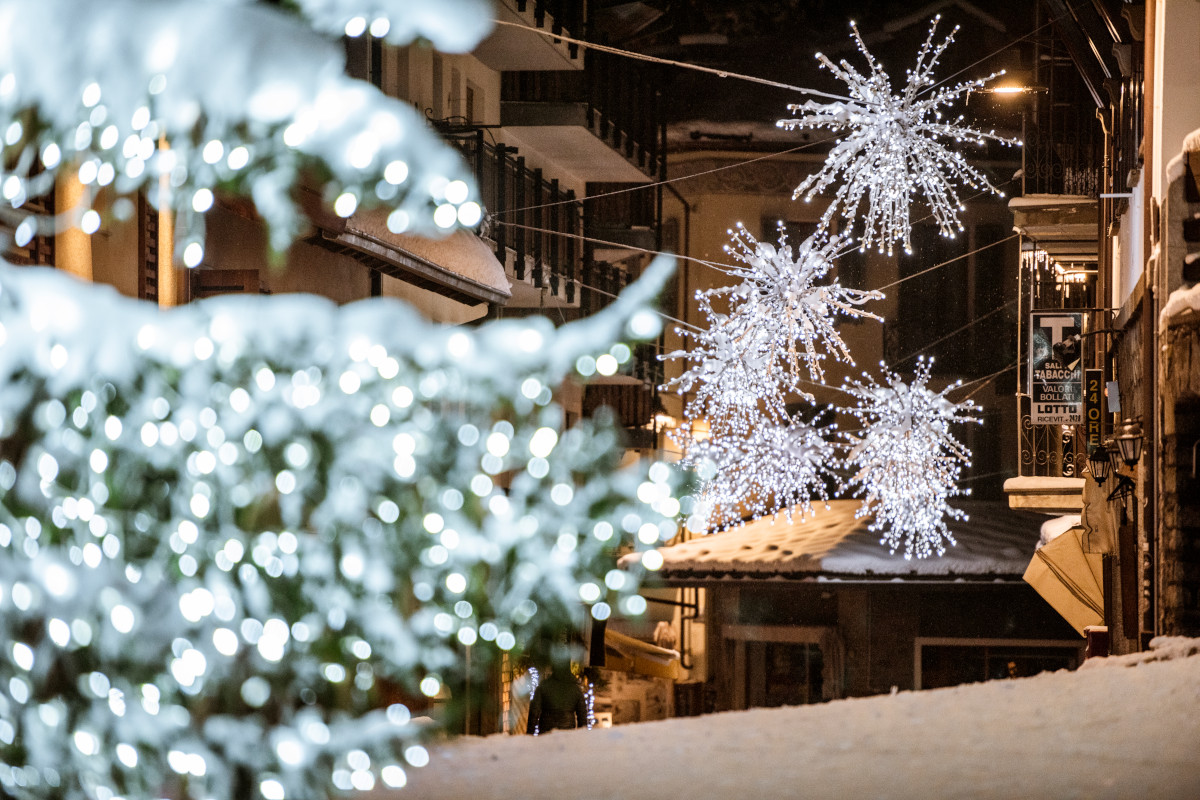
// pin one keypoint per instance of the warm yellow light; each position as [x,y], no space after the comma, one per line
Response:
[1009,89]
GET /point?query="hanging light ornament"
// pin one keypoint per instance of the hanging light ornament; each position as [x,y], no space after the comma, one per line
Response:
[775,468]
[893,151]
[755,458]
[780,321]
[908,463]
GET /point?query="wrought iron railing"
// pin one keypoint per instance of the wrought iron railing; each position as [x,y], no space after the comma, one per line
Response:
[529,216]
[1064,141]
[1054,450]
[622,99]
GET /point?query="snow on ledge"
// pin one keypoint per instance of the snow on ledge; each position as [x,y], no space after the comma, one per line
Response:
[1162,648]
[1180,303]
[1032,484]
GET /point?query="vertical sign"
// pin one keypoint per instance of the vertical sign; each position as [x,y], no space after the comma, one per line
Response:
[1055,371]
[1093,402]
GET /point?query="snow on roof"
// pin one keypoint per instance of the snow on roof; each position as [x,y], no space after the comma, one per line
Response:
[1179,303]
[996,542]
[1104,731]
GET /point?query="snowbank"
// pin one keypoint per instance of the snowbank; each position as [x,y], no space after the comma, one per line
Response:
[1097,733]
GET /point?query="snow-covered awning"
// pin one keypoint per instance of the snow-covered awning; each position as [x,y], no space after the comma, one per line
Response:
[459,266]
[994,545]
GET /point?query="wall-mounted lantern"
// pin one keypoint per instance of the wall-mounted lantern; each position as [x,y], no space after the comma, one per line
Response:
[1129,442]
[1098,461]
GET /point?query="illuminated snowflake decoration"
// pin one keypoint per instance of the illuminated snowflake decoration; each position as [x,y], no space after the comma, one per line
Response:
[892,151]
[779,327]
[228,542]
[736,373]
[907,461]
[786,293]
[775,468]
[754,458]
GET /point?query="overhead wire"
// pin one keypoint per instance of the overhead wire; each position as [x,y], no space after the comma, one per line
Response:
[721,73]
[726,267]
[654,184]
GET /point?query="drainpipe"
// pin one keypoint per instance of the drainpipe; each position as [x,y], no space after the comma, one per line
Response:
[1149,330]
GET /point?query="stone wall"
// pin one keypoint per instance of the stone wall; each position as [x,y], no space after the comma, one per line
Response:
[1178,551]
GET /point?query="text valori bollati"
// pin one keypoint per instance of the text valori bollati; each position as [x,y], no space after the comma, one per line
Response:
[1055,368]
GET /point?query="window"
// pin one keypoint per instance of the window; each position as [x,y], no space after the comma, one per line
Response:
[950,662]
[783,674]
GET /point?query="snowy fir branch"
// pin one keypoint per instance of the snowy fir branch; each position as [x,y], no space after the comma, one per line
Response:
[226,541]
[138,102]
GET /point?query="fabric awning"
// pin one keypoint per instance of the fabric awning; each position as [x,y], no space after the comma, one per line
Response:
[626,654]
[1069,579]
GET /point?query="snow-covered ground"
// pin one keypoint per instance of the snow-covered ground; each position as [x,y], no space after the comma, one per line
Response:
[1120,727]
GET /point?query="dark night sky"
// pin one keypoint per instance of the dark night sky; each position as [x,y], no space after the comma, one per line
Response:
[777,39]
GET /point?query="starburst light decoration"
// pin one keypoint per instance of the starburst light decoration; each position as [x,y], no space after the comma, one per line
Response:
[754,458]
[786,292]
[907,461]
[779,327]
[896,148]
[776,468]
[233,549]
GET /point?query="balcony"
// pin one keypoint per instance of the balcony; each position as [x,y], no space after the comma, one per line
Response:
[533,225]
[601,124]
[508,49]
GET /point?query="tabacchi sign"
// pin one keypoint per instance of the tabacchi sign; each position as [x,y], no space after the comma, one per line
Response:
[1055,373]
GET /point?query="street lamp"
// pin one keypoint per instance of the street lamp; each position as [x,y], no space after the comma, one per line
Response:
[1129,442]
[1100,464]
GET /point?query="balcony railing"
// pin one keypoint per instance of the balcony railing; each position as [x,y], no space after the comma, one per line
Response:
[1054,450]
[621,97]
[528,216]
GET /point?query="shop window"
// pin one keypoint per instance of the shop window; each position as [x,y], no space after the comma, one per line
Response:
[943,665]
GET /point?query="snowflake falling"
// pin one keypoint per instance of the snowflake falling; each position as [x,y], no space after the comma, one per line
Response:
[908,463]
[775,468]
[892,152]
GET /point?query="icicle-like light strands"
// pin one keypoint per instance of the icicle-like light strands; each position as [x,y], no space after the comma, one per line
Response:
[776,468]
[907,462]
[896,148]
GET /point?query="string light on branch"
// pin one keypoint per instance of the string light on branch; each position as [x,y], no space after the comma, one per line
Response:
[138,107]
[225,536]
[906,461]
[897,147]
